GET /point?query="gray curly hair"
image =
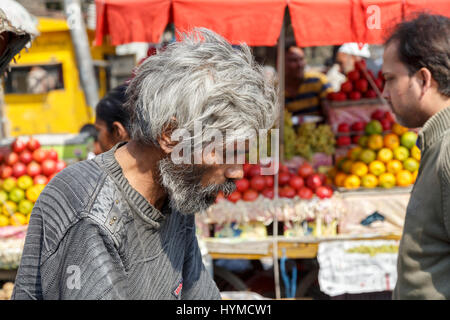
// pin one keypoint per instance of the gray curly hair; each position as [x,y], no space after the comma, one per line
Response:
[200,78]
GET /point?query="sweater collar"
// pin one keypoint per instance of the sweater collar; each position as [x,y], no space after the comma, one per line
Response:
[434,129]
[137,202]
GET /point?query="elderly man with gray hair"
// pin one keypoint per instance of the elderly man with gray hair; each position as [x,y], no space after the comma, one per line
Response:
[121,226]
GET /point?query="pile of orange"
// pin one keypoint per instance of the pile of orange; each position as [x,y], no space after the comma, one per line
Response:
[380,161]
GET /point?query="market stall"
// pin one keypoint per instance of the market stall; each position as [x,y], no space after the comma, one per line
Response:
[329,188]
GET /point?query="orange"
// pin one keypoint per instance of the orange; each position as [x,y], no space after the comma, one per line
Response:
[9,207]
[391,141]
[415,153]
[394,166]
[404,178]
[377,168]
[18,219]
[359,168]
[4,220]
[385,155]
[354,153]
[387,180]
[352,182]
[375,142]
[347,165]
[339,179]
[369,181]
[398,129]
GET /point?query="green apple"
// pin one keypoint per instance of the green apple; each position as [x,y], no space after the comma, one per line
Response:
[24,182]
[25,206]
[9,184]
[17,195]
[3,196]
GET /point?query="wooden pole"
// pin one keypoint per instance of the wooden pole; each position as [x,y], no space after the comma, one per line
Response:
[280,69]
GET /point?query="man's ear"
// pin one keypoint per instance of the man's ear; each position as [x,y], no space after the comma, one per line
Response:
[119,131]
[425,79]
[165,140]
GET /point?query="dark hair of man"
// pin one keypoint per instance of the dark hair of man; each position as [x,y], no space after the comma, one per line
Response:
[110,108]
[290,43]
[424,42]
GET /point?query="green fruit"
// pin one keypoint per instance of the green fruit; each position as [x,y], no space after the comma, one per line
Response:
[17,195]
[3,196]
[25,206]
[367,156]
[411,164]
[24,182]
[362,141]
[408,139]
[374,127]
[401,153]
[9,184]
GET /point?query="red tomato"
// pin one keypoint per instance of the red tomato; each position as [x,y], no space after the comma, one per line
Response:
[283,168]
[33,144]
[40,179]
[60,164]
[33,169]
[324,192]
[305,170]
[296,182]
[313,181]
[283,178]
[235,196]
[19,169]
[242,185]
[250,195]
[305,193]
[246,167]
[258,183]
[268,193]
[7,172]
[48,167]
[26,157]
[18,146]
[269,181]
[39,155]
[11,158]
[255,170]
[287,192]
[52,155]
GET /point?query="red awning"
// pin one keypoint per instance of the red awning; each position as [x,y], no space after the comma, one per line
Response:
[128,21]
[258,22]
[255,22]
[333,22]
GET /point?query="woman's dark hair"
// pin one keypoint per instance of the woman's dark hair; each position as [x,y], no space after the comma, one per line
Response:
[424,42]
[110,108]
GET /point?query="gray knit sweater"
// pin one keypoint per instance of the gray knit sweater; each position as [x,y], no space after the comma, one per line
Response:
[92,236]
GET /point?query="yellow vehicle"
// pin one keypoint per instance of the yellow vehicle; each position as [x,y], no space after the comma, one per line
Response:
[43,93]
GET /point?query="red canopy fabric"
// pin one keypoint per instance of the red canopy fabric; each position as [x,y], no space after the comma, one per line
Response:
[131,20]
[332,22]
[255,22]
[258,22]
[441,7]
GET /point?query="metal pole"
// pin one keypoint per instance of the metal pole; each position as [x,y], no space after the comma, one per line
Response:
[82,51]
[280,68]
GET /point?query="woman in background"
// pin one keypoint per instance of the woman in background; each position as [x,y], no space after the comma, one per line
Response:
[111,120]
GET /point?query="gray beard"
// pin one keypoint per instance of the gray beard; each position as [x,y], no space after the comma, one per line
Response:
[186,194]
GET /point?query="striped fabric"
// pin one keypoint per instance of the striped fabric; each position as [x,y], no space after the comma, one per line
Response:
[315,87]
[92,236]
